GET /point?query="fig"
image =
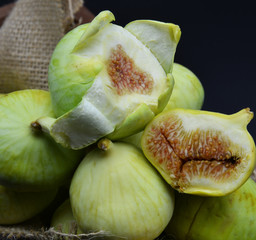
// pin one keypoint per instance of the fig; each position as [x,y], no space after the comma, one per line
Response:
[63,219]
[230,217]
[201,152]
[29,159]
[17,207]
[188,92]
[117,191]
[100,83]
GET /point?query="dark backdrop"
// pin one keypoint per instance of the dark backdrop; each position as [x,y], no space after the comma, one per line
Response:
[217,43]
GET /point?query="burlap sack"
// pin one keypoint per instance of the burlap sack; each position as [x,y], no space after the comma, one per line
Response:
[28,38]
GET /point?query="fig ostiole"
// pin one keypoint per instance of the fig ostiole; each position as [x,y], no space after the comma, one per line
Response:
[117,191]
[101,84]
[230,217]
[201,152]
[29,159]
[17,207]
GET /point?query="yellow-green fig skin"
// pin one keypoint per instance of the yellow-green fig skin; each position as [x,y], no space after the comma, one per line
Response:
[17,207]
[232,217]
[29,159]
[188,91]
[117,191]
[63,219]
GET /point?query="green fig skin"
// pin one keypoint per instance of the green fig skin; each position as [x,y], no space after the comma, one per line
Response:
[17,207]
[71,83]
[63,219]
[232,217]
[29,159]
[117,191]
[188,91]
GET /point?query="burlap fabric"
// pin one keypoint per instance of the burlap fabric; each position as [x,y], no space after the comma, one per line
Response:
[28,38]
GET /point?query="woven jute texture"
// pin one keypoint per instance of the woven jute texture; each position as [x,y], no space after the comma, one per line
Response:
[27,39]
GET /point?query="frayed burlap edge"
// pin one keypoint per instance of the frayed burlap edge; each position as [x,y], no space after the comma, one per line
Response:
[45,234]
[14,233]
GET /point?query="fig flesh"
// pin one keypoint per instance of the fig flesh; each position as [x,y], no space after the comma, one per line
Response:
[201,152]
[230,217]
[17,207]
[117,191]
[29,159]
[101,84]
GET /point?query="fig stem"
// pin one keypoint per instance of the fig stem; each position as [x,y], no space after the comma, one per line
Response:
[43,124]
[36,126]
[104,144]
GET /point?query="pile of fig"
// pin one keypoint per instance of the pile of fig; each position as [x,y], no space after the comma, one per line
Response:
[121,130]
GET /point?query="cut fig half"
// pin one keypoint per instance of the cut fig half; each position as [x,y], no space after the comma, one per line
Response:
[104,81]
[29,159]
[200,152]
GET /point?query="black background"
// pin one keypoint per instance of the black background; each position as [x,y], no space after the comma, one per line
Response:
[217,43]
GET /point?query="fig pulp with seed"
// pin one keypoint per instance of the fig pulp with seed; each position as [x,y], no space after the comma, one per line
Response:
[119,192]
[230,217]
[17,207]
[188,91]
[101,84]
[201,152]
[29,159]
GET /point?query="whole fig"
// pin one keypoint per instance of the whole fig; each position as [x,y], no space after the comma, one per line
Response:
[117,191]
[17,207]
[188,91]
[29,159]
[231,217]
[63,219]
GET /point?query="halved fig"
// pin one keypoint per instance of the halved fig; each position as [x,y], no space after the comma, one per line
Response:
[29,159]
[201,152]
[104,80]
